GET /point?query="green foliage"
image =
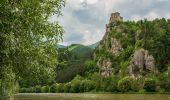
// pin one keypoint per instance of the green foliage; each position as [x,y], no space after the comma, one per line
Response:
[24,54]
[38,89]
[137,85]
[90,67]
[110,84]
[95,45]
[80,51]
[45,89]
[72,62]
[150,85]
[53,88]
[59,88]
[151,35]
[69,70]
[125,84]
[75,86]
[8,85]
[164,80]
[87,85]
[96,77]
[67,87]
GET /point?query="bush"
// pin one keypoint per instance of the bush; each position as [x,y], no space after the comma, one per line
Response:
[37,89]
[53,88]
[45,89]
[150,85]
[28,90]
[137,85]
[112,86]
[97,79]
[87,85]
[90,67]
[67,87]
[164,81]
[59,88]
[22,90]
[75,86]
[125,84]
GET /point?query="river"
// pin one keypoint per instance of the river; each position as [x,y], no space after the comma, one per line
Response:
[78,96]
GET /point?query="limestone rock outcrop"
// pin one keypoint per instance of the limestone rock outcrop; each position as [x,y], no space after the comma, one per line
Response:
[141,62]
[110,45]
[115,46]
[105,66]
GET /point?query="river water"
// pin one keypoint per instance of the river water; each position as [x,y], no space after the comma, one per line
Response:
[77,96]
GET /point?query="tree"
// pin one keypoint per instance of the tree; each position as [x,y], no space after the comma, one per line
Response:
[164,80]
[125,84]
[90,67]
[27,42]
[150,85]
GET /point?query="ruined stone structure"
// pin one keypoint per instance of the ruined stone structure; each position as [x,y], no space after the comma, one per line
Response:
[115,17]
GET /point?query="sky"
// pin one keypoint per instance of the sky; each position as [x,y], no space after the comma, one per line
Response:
[84,20]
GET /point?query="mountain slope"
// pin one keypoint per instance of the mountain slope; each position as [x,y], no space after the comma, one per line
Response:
[61,46]
[72,61]
[80,51]
[93,46]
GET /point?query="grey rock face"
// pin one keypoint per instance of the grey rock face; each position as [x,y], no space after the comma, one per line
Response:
[110,45]
[115,46]
[141,62]
[105,67]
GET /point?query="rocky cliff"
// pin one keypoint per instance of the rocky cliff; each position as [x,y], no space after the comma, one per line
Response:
[131,48]
[141,63]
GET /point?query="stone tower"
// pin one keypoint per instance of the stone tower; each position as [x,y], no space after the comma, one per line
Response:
[115,17]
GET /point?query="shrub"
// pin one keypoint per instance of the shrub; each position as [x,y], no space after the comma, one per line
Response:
[75,86]
[112,86]
[109,84]
[90,67]
[45,89]
[125,84]
[28,90]
[67,87]
[164,81]
[59,88]
[150,85]
[87,85]
[22,90]
[137,85]
[38,89]
[53,88]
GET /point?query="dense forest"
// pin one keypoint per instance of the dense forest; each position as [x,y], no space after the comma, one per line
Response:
[133,56]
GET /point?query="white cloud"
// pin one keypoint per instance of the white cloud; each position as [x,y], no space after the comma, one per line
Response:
[92,1]
[152,15]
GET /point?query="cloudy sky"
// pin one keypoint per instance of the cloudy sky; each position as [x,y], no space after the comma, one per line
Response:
[84,20]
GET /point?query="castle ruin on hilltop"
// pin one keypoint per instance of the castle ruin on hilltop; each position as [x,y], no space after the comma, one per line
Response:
[115,17]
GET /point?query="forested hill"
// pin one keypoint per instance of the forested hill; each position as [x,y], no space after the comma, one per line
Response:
[72,59]
[135,48]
